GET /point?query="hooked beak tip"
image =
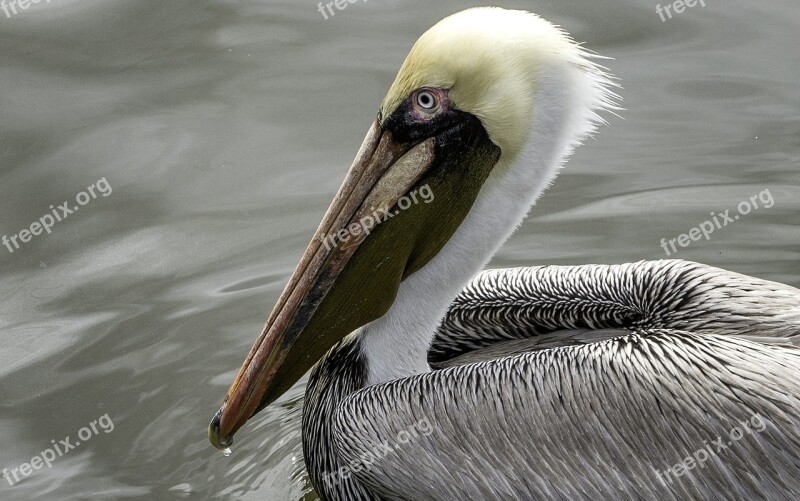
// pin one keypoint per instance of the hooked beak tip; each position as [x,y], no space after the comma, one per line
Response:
[220,442]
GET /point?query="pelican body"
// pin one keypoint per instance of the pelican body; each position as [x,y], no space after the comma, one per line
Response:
[432,380]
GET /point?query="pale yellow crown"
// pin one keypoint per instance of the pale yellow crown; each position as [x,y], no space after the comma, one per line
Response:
[490,59]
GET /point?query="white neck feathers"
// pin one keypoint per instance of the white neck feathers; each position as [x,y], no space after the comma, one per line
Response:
[566,99]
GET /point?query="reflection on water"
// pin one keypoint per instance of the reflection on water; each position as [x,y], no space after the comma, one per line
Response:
[225,127]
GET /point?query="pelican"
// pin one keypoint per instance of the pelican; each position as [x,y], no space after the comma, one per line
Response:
[432,380]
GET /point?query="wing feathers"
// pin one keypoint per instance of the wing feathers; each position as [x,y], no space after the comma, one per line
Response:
[610,419]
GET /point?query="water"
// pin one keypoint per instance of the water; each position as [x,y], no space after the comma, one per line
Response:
[223,128]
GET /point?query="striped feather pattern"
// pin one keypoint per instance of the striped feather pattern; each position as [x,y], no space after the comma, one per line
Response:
[658,363]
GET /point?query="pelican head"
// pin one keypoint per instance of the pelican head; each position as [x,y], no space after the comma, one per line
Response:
[484,110]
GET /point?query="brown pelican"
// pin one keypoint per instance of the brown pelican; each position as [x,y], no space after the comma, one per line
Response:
[652,380]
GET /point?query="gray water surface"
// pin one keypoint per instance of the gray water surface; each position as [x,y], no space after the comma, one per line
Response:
[221,130]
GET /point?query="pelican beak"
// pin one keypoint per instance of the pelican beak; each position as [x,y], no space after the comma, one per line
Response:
[362,250]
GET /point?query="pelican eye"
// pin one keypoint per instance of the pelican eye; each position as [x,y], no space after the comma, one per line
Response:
[427,100]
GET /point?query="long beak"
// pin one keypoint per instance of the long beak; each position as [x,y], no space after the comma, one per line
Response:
[384,170]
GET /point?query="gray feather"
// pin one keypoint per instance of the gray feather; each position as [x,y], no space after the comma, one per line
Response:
[583,382]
